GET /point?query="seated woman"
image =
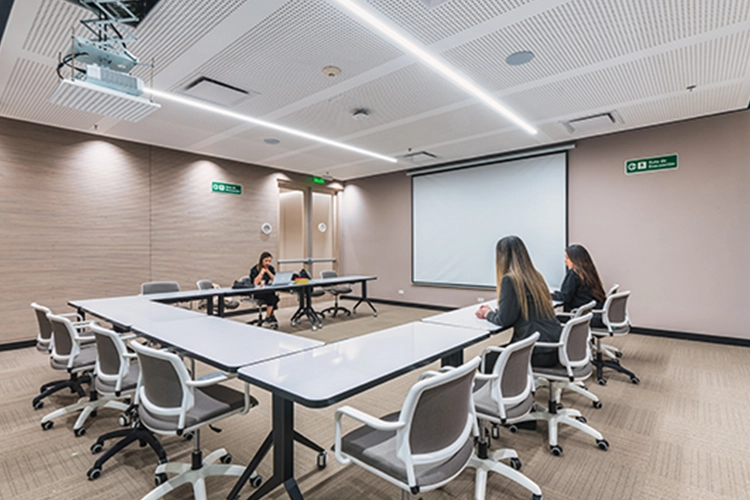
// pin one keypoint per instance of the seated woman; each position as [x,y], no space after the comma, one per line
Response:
[523,301]
[581,284]
[262,274]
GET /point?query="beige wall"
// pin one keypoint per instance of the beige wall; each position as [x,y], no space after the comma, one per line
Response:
[679,240]
[82,216]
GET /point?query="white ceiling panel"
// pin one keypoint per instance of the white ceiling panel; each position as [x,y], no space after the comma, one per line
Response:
[635,57]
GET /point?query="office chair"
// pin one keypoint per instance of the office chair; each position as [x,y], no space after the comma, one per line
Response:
[575,365]
[611,351]
[503,397]
[578,387]
[64,329]
[336,291]
[425,445]
[208,285]
[170,403]
[152,287]
[44,345]
[117,375]
[69,353]
[616,324]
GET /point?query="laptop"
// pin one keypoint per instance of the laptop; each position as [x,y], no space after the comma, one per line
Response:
[283,278]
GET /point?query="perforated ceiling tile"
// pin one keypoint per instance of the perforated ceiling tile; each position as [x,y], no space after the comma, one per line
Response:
[182,23]
[283,56]
[500,142]
[703,64]
[430,25]
[409,91]
[585,32]
[51,32]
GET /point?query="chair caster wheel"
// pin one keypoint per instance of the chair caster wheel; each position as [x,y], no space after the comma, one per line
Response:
[513,428]
[160,479]
[256,481]
[94,473]
[556,450]
[293,323]
[581,419]
[96,448]
[516,463]
[597,404]
[188,436]
[495,432]
[79,432]
[559,406]
[38,404]
[536,497]
[374,315]
[322,460]
[314,328]
[635,380]
[124,420]
[226,459]
[602,381]
[47,425]
[602,444]
[618,354]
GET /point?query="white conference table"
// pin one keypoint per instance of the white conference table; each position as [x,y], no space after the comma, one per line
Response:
[326,375]
[466,317]
[123,312]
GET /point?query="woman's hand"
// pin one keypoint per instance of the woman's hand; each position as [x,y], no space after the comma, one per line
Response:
[483,311]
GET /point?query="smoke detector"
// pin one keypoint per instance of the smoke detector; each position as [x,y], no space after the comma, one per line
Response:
[360,114]
[331,71]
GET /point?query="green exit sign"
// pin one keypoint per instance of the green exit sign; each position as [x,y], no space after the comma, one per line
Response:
[223,187]
[667,162]
[318,180]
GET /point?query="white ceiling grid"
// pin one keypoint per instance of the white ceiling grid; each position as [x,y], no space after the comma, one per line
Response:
[633,56]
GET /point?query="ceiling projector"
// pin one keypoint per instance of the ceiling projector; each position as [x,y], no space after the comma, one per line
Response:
[100,81]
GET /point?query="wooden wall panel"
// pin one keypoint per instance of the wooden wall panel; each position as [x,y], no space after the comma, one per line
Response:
[82,216]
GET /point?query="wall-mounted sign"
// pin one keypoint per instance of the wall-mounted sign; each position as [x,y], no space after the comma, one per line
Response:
[667,162]
[223,187]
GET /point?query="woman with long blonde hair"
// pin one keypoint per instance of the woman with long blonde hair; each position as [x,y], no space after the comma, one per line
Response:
[523,300]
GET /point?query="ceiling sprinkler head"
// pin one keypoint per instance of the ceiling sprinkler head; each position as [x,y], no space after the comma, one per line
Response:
[360,114]
[331,71]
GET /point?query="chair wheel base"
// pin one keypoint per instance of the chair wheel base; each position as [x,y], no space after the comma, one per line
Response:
[94,473]
[516,463]
[256,481]
[603,444]
[47,425]
[556,450]
[322,460]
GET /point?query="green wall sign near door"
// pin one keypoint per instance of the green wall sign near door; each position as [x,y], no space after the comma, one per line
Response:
[223,187]
[651,164]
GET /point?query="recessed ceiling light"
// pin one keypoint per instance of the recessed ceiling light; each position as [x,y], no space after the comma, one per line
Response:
[519,58]
[435,63]
[271,140]
[331,71]
[255,121]
[360,114]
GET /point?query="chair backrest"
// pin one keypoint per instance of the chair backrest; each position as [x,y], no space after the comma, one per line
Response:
[159,287]
[615,316]
[44,336]
[514,380]
[162,385]
[440,418]
[204,284]
[328,274]
[112,364]
[575,339]
[613,290]
[584,309]
[65,343]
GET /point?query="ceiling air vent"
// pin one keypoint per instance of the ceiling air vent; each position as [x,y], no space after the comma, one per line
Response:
[419,157]
[215,92]
[601,122]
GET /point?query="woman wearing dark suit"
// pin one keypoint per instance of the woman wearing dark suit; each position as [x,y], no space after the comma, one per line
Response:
[262,274]
[523,301]
[581,284]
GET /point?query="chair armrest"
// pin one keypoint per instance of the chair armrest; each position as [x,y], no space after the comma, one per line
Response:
[488,350]
[548,344]
[210,379]
[597,311]
[366,419]
[72,315]
[486,376]
[563,313]
[127,336]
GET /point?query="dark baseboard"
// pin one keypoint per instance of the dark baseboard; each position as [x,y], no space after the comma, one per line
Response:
[431,307]
[697,337]
[17,345]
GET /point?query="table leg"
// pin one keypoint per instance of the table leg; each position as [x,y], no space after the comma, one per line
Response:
[365,300]
[210,305]
[456,359]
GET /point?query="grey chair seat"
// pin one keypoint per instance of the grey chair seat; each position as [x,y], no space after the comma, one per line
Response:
[378,449]
[486,406]
[559,371]
[85,359]
[210,403]
[128,384]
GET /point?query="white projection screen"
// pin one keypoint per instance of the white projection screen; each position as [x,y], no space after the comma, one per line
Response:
[459,215]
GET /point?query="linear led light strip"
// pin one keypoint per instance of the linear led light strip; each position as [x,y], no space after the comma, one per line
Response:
[436,64]
[255,121]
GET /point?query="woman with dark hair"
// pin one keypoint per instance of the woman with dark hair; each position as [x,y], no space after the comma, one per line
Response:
[523,300]
[581,284]
[260,274]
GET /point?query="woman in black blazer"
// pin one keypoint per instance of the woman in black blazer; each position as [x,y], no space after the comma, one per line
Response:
[581,284]
[523,301]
